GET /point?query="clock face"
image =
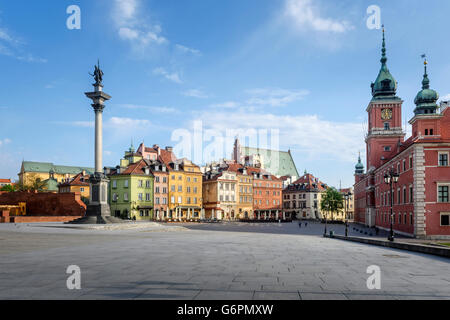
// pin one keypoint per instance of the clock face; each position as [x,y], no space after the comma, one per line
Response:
[386,114]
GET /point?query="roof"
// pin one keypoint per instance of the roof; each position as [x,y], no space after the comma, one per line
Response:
[5,180]
[51,185]
[78,180]
[307,183]
[135,168]
[29,166]
[167,157]
[279,163]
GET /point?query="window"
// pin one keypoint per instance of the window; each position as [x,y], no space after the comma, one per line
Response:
[386,126]
[404,165]
[443,159]
[156,200]
[387,148]
[114,183]
[410,194]
[140,196]
[114,197]
[140,183]
[180,188]
[125,196]
[180,200]
[445,219]
[410,162]
[157,180]
[443,194]
[172,188]
[147,197]
[125,183]
[195,189]
[147,183]
[81,189]
[157,190]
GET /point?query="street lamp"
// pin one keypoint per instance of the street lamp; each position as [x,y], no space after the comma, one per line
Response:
[390,179]
[347,197]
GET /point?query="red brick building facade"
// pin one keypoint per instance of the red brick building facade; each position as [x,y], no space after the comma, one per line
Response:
[267,195]
[421,206]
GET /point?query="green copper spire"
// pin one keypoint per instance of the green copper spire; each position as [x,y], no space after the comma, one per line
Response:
[359,168]
[426,98]
[383,51]
[385,87]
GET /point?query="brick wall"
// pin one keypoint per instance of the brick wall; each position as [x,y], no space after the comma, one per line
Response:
[47,204]
[43,219]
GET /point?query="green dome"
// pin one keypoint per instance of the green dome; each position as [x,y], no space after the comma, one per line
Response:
[359,168]
[385,87]
[426,98]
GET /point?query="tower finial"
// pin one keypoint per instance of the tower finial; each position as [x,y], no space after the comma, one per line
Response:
[426,81]
[383,49]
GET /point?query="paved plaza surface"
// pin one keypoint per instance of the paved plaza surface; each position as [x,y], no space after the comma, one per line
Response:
[231,261]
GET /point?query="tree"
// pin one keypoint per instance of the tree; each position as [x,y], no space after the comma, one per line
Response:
[332,201]
[8,188]
[33,184]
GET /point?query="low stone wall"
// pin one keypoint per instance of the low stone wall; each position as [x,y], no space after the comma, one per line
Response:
[47,204]
[43,219]
[434,250]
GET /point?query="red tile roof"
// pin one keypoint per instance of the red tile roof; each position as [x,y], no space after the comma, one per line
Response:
[5,180]
[78,180]
[310,183]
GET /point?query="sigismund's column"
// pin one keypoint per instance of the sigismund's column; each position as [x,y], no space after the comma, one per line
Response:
[98,210]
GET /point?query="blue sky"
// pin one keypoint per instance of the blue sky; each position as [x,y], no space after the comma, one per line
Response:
[302,67]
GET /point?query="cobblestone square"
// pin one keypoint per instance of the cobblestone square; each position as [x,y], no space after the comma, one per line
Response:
[233,261]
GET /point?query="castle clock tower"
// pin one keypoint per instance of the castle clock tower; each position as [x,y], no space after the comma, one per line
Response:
[385,116]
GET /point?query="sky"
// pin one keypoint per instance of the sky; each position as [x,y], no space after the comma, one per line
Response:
[194,74]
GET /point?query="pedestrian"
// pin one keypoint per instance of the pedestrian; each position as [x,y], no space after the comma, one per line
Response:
[299,224]
[306,224]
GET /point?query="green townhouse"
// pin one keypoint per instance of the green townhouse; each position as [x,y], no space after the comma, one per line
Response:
[131,190]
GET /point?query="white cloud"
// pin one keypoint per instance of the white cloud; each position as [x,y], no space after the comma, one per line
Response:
[185,49]
[5,142]
[13,47]
[314,137]
[195,93]
[150,108]
[445,98]
[133,27]
[306,14]
[118,122]
[275,97]
[174,77]
[226,105]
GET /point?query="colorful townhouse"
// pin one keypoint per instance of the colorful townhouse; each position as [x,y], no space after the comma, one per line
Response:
[185,191]
[161,189]
[267,195]
[301,199]
[420,198]
[132,188]
[245,196]
[220,194]
[79,183]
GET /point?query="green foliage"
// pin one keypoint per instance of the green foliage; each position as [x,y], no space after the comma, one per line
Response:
[8,188]
[332,201]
